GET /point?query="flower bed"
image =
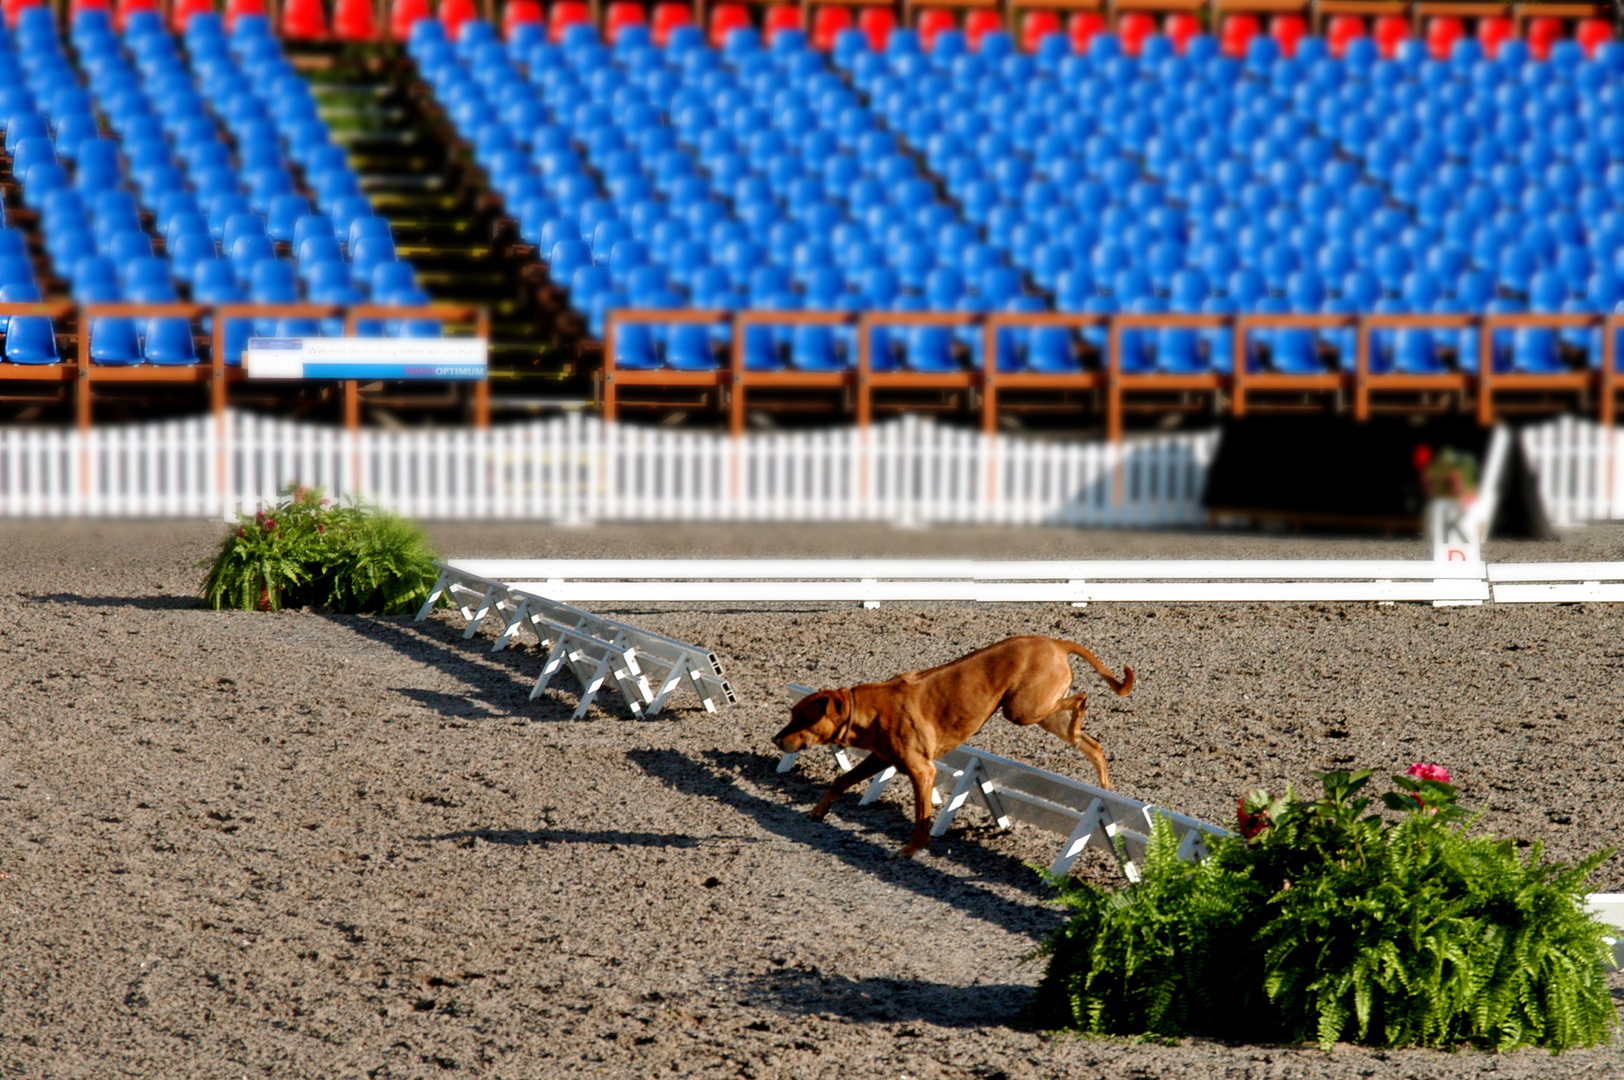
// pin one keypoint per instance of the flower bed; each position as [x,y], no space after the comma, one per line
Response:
[1324,922]
[308,552]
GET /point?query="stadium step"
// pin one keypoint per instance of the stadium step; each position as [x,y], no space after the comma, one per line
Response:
[445,219]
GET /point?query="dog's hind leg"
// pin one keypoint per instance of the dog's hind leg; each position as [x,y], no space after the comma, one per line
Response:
[1066,722]
[869,766]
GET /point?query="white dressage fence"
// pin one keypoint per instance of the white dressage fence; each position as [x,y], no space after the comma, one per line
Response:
[645,668]
[578,469]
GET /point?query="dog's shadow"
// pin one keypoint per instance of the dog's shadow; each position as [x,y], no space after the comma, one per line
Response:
[870,847]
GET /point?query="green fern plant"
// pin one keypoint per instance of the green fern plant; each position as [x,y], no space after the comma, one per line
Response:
[1334,924]
[306,551]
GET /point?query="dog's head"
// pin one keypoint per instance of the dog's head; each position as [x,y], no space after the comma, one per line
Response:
[814,720]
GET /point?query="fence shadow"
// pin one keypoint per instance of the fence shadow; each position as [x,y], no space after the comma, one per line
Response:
[620,837]
[161,602]
[715,775]
[949,1005]
[498,682]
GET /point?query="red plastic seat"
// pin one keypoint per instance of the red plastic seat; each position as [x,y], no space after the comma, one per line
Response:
[1342,29]
[565,14]
[1442,33]
[1180,27]
[981,22]
[403,14]
[1492,31]
[1592,32]
[933,21]
[622,13]
[780,17]
[827,23]
[14,9]
[303,20]
[517,13]
[1543,32]
[453,13]
[181,12]
[1238,29]
[667,17]
[877,23]
[1081,28]
[724,19]
[354,20]
[1389,31]
[1036,26]
[126,8]
[1287,30]
[1133,27]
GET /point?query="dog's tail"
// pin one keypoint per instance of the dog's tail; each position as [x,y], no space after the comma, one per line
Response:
[1121,686]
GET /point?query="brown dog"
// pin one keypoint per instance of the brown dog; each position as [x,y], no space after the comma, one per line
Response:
[917,717]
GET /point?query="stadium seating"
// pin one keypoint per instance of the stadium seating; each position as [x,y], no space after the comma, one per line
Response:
[204,145]
[1277,179]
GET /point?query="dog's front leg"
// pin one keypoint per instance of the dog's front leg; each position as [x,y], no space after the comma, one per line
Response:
[868,767]
[923,776]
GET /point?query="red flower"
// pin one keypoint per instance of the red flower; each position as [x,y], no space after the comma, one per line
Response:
[1423,456]
[270,524]
[1249,823]
[242,532]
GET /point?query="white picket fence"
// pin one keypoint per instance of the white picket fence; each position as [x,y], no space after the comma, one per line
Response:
[577,469]
[1579,469]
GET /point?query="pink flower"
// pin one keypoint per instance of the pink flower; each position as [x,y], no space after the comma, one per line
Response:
[1423,770]
[270,524]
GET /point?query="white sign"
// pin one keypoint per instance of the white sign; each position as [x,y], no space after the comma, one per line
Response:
[456,359]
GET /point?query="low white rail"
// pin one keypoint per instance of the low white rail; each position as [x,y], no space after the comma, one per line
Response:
[1010,791]
[872,581]
[645,668]
[1557,583]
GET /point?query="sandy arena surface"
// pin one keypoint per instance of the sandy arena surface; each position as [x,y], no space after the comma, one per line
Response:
[296,845]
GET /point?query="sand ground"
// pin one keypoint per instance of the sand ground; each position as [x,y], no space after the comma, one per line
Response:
[299,845]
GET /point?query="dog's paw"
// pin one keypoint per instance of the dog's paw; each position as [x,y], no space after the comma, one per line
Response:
[905,853]
[817,813]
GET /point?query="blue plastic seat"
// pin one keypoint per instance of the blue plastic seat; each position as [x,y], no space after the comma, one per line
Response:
[285,212]
[168,342]
[318,251]
[30,339]
[1535,349]
[368,252]
[247,252]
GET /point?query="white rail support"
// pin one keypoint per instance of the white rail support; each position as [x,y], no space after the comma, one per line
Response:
[1011,791]
[597,650]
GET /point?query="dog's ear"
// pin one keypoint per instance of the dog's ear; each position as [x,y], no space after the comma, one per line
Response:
[836,706]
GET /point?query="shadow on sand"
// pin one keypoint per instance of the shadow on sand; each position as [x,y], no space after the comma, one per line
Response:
[162,602]
[949,1005]
[728,776]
